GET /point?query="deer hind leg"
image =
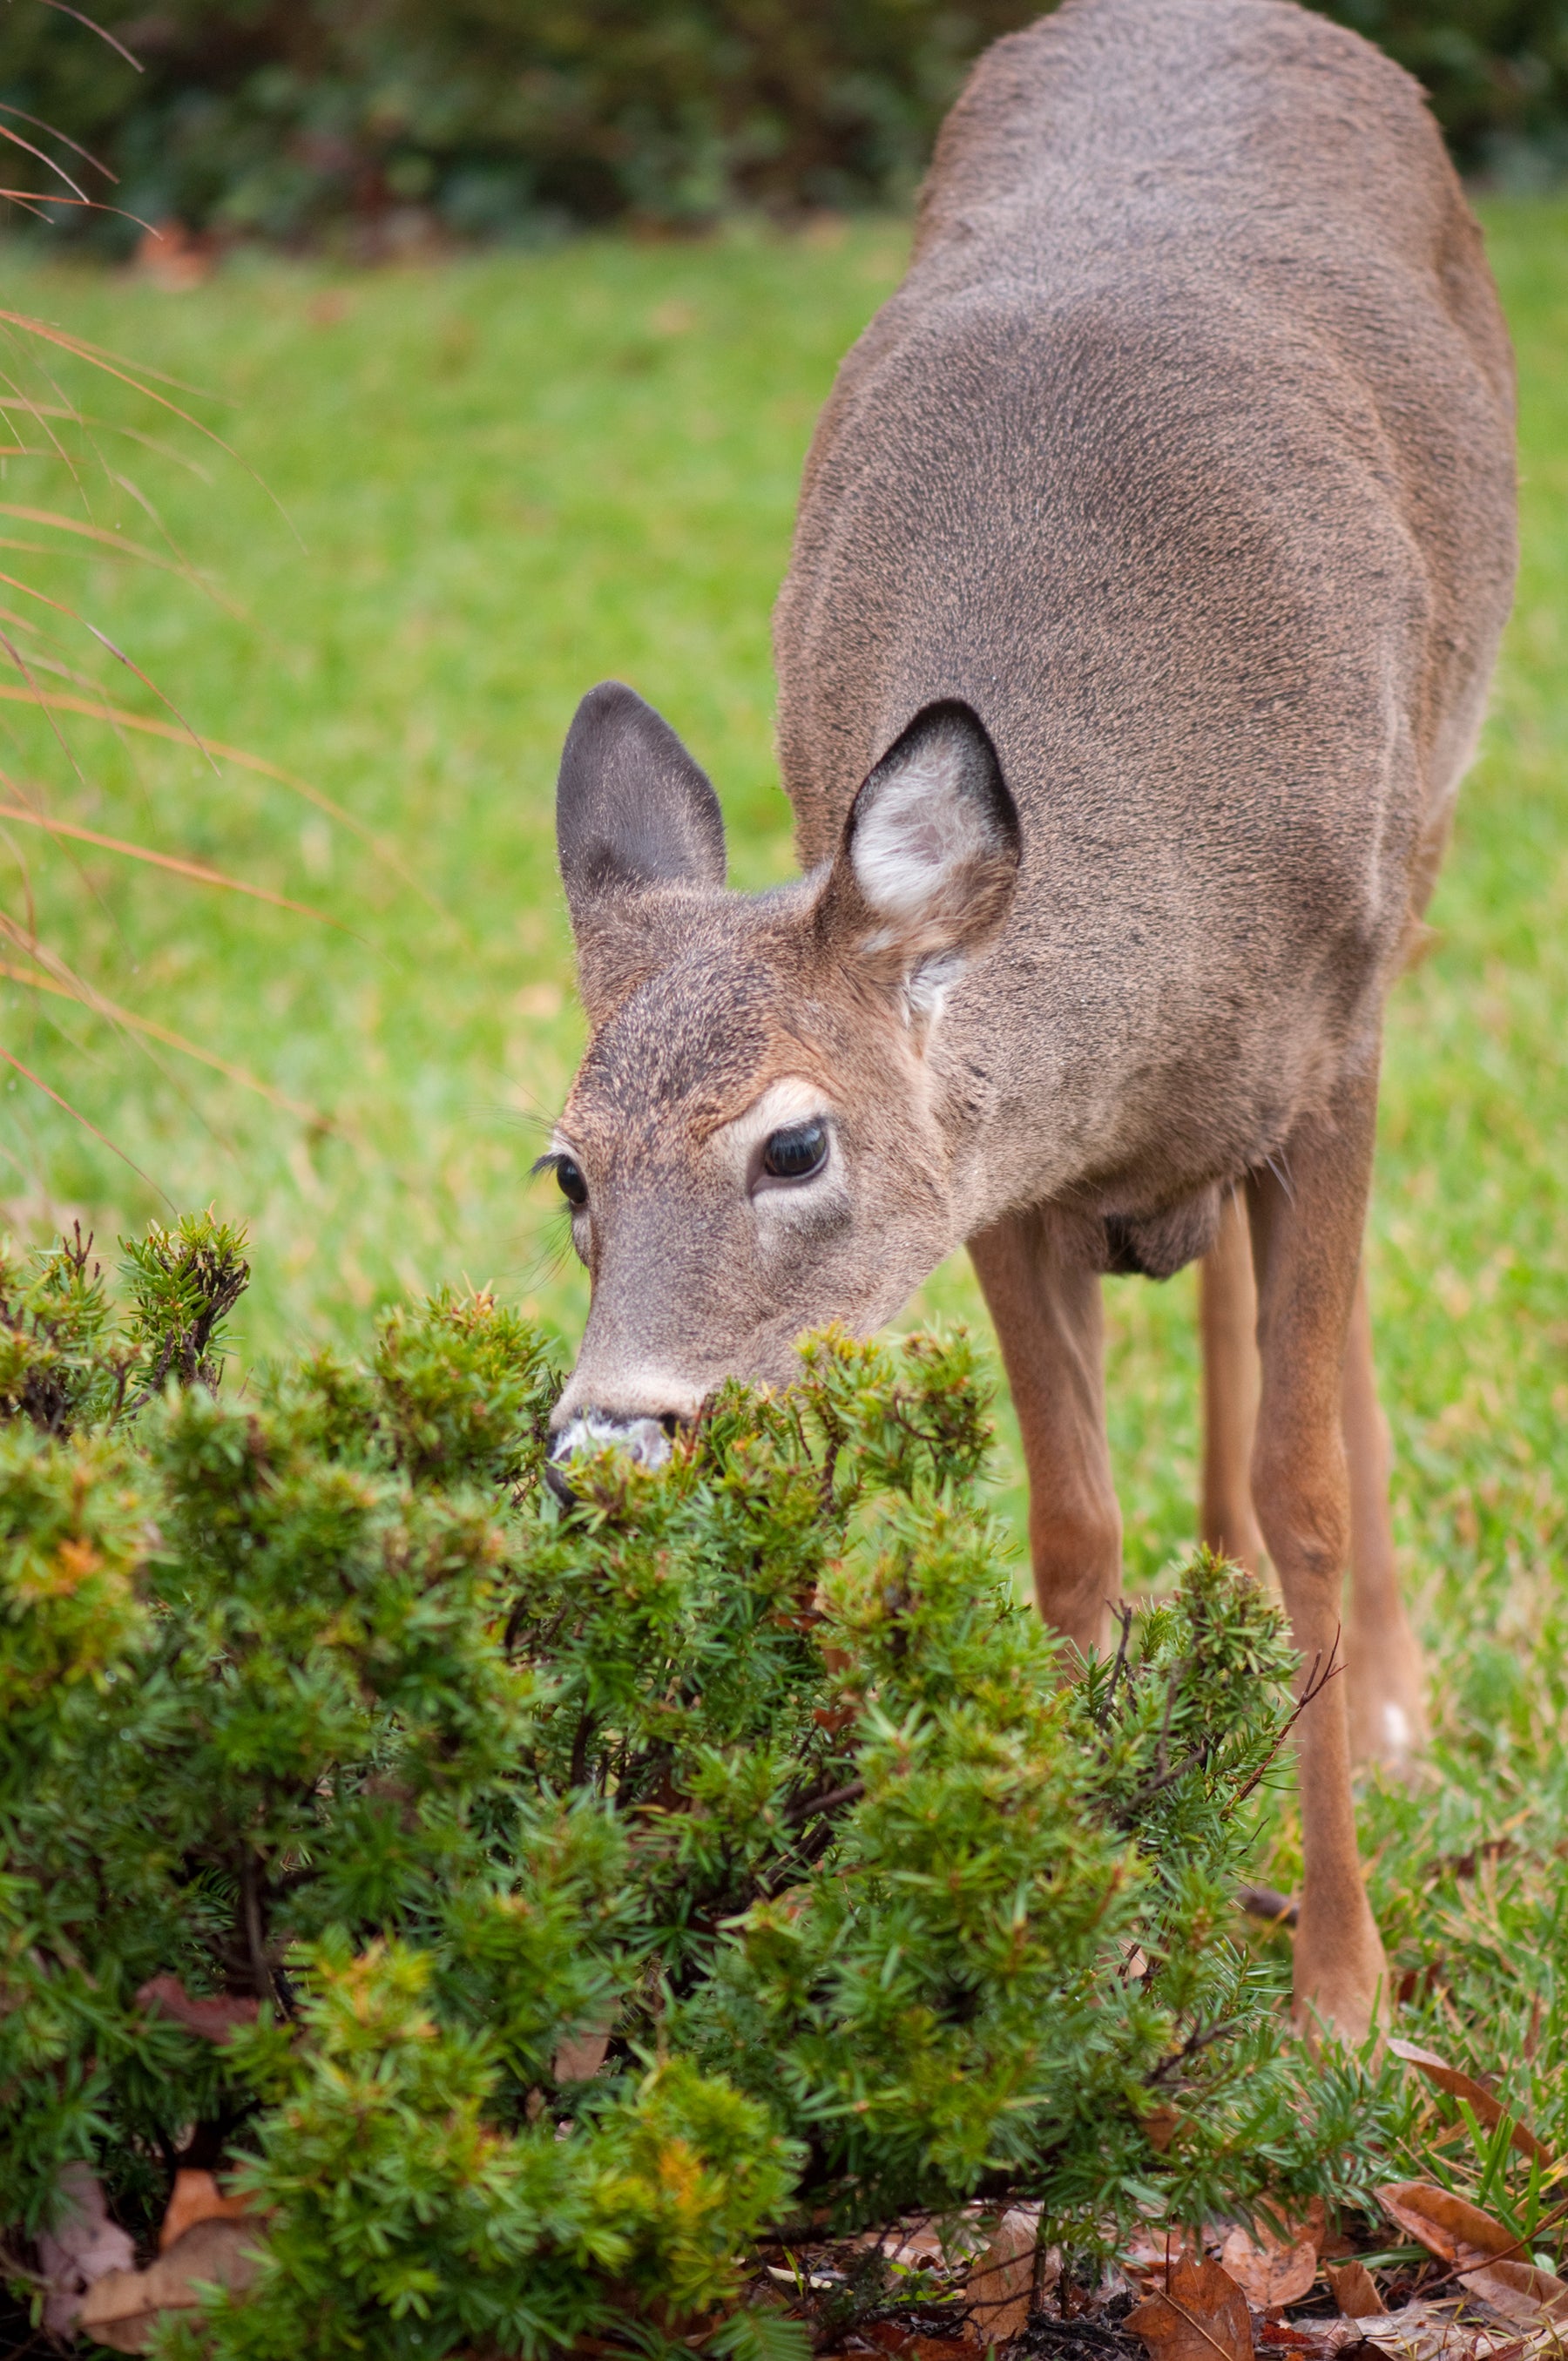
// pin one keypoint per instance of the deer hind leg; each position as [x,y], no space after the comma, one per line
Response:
[1040,1276]
[1227,1320]
[1307,1223]
[1383,1656]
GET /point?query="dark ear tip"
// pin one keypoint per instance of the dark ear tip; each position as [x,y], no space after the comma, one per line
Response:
[605,695]
[609,705]
[946,713]
[631,807]
[949,713]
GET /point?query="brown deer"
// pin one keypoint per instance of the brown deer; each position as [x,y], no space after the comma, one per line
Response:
[1152,553]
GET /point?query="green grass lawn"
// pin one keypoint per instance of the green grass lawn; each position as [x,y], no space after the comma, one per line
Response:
[487,486]
[459,497]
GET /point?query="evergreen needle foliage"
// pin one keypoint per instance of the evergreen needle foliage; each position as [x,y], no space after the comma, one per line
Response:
[573,1892]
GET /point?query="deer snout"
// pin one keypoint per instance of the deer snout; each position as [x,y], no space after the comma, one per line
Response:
[645,1440]
[645,1433]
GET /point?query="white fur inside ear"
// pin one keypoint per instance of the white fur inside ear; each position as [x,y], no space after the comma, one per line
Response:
[927,989]
[917,831]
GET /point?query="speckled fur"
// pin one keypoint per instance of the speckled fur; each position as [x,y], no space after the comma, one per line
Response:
[1184,456]
[1183,460]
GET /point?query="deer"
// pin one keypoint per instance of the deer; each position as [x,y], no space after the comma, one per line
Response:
[1153,551]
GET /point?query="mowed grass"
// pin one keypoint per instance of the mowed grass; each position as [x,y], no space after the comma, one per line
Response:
[459,497]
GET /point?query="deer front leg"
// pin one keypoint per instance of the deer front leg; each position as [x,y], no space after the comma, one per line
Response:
[1388,1703]
[1307,1220]
[1040,1276]
[1227,1320]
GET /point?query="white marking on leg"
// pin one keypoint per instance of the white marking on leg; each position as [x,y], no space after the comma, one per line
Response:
[1396,1729]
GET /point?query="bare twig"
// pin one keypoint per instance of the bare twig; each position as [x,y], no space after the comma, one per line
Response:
[1124,1615]
[581,1741]
[1195,2041]
[1194,1756]
[1316,1683]
[255,1942]
[806,1807]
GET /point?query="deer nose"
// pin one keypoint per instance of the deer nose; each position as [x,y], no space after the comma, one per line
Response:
[645,1442]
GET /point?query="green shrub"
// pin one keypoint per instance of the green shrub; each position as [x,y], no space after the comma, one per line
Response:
[499,115]
[578,1892]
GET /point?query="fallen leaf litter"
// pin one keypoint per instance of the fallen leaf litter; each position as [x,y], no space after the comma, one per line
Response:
[978,2283]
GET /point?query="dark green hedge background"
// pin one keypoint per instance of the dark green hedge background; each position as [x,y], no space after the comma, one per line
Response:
[502,118]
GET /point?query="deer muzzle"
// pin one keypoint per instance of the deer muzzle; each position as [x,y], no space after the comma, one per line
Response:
[644,1441]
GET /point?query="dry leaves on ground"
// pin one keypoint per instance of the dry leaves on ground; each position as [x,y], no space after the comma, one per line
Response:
[1355,2291]
[214,2020]
[1447,2330]
[1275,2267]
[912,2344]
[1488,2261]
[83,2246]
[999,2290]
[197,2198]
[89,2263]
[122,2310]
[1488,2109]
[1199,2314]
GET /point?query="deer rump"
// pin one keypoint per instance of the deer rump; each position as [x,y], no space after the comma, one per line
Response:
[1184,457]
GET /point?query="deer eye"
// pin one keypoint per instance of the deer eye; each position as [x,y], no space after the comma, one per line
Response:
[574,1187]
[796,1154]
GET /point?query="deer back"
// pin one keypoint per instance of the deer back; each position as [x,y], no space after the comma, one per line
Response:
[1183,455]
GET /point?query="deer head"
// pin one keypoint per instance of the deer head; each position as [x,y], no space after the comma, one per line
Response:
[757,1142]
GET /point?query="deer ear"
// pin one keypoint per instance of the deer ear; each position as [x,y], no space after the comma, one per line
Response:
[925,872]
[632,807]
[633,813]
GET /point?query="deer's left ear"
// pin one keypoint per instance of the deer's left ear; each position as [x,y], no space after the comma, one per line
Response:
[639,831]
[927,868]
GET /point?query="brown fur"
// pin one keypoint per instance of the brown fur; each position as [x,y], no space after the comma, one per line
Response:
[1181,466]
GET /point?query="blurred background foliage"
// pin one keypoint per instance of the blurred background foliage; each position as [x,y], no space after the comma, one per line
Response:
[377,121]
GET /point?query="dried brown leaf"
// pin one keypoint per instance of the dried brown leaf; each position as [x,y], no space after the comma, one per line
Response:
[122,2311]
[1000,2287]
[926,2243]
[1270,2270]
[579,2059]
[1153,2250]
[197,2198]
[1489,2108]
[215,2019]
[83,2246]
[1426,2330]
[1276,2261]
[1355,2291]
[1199,2314]
[1519,2291]
[1448,2225]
